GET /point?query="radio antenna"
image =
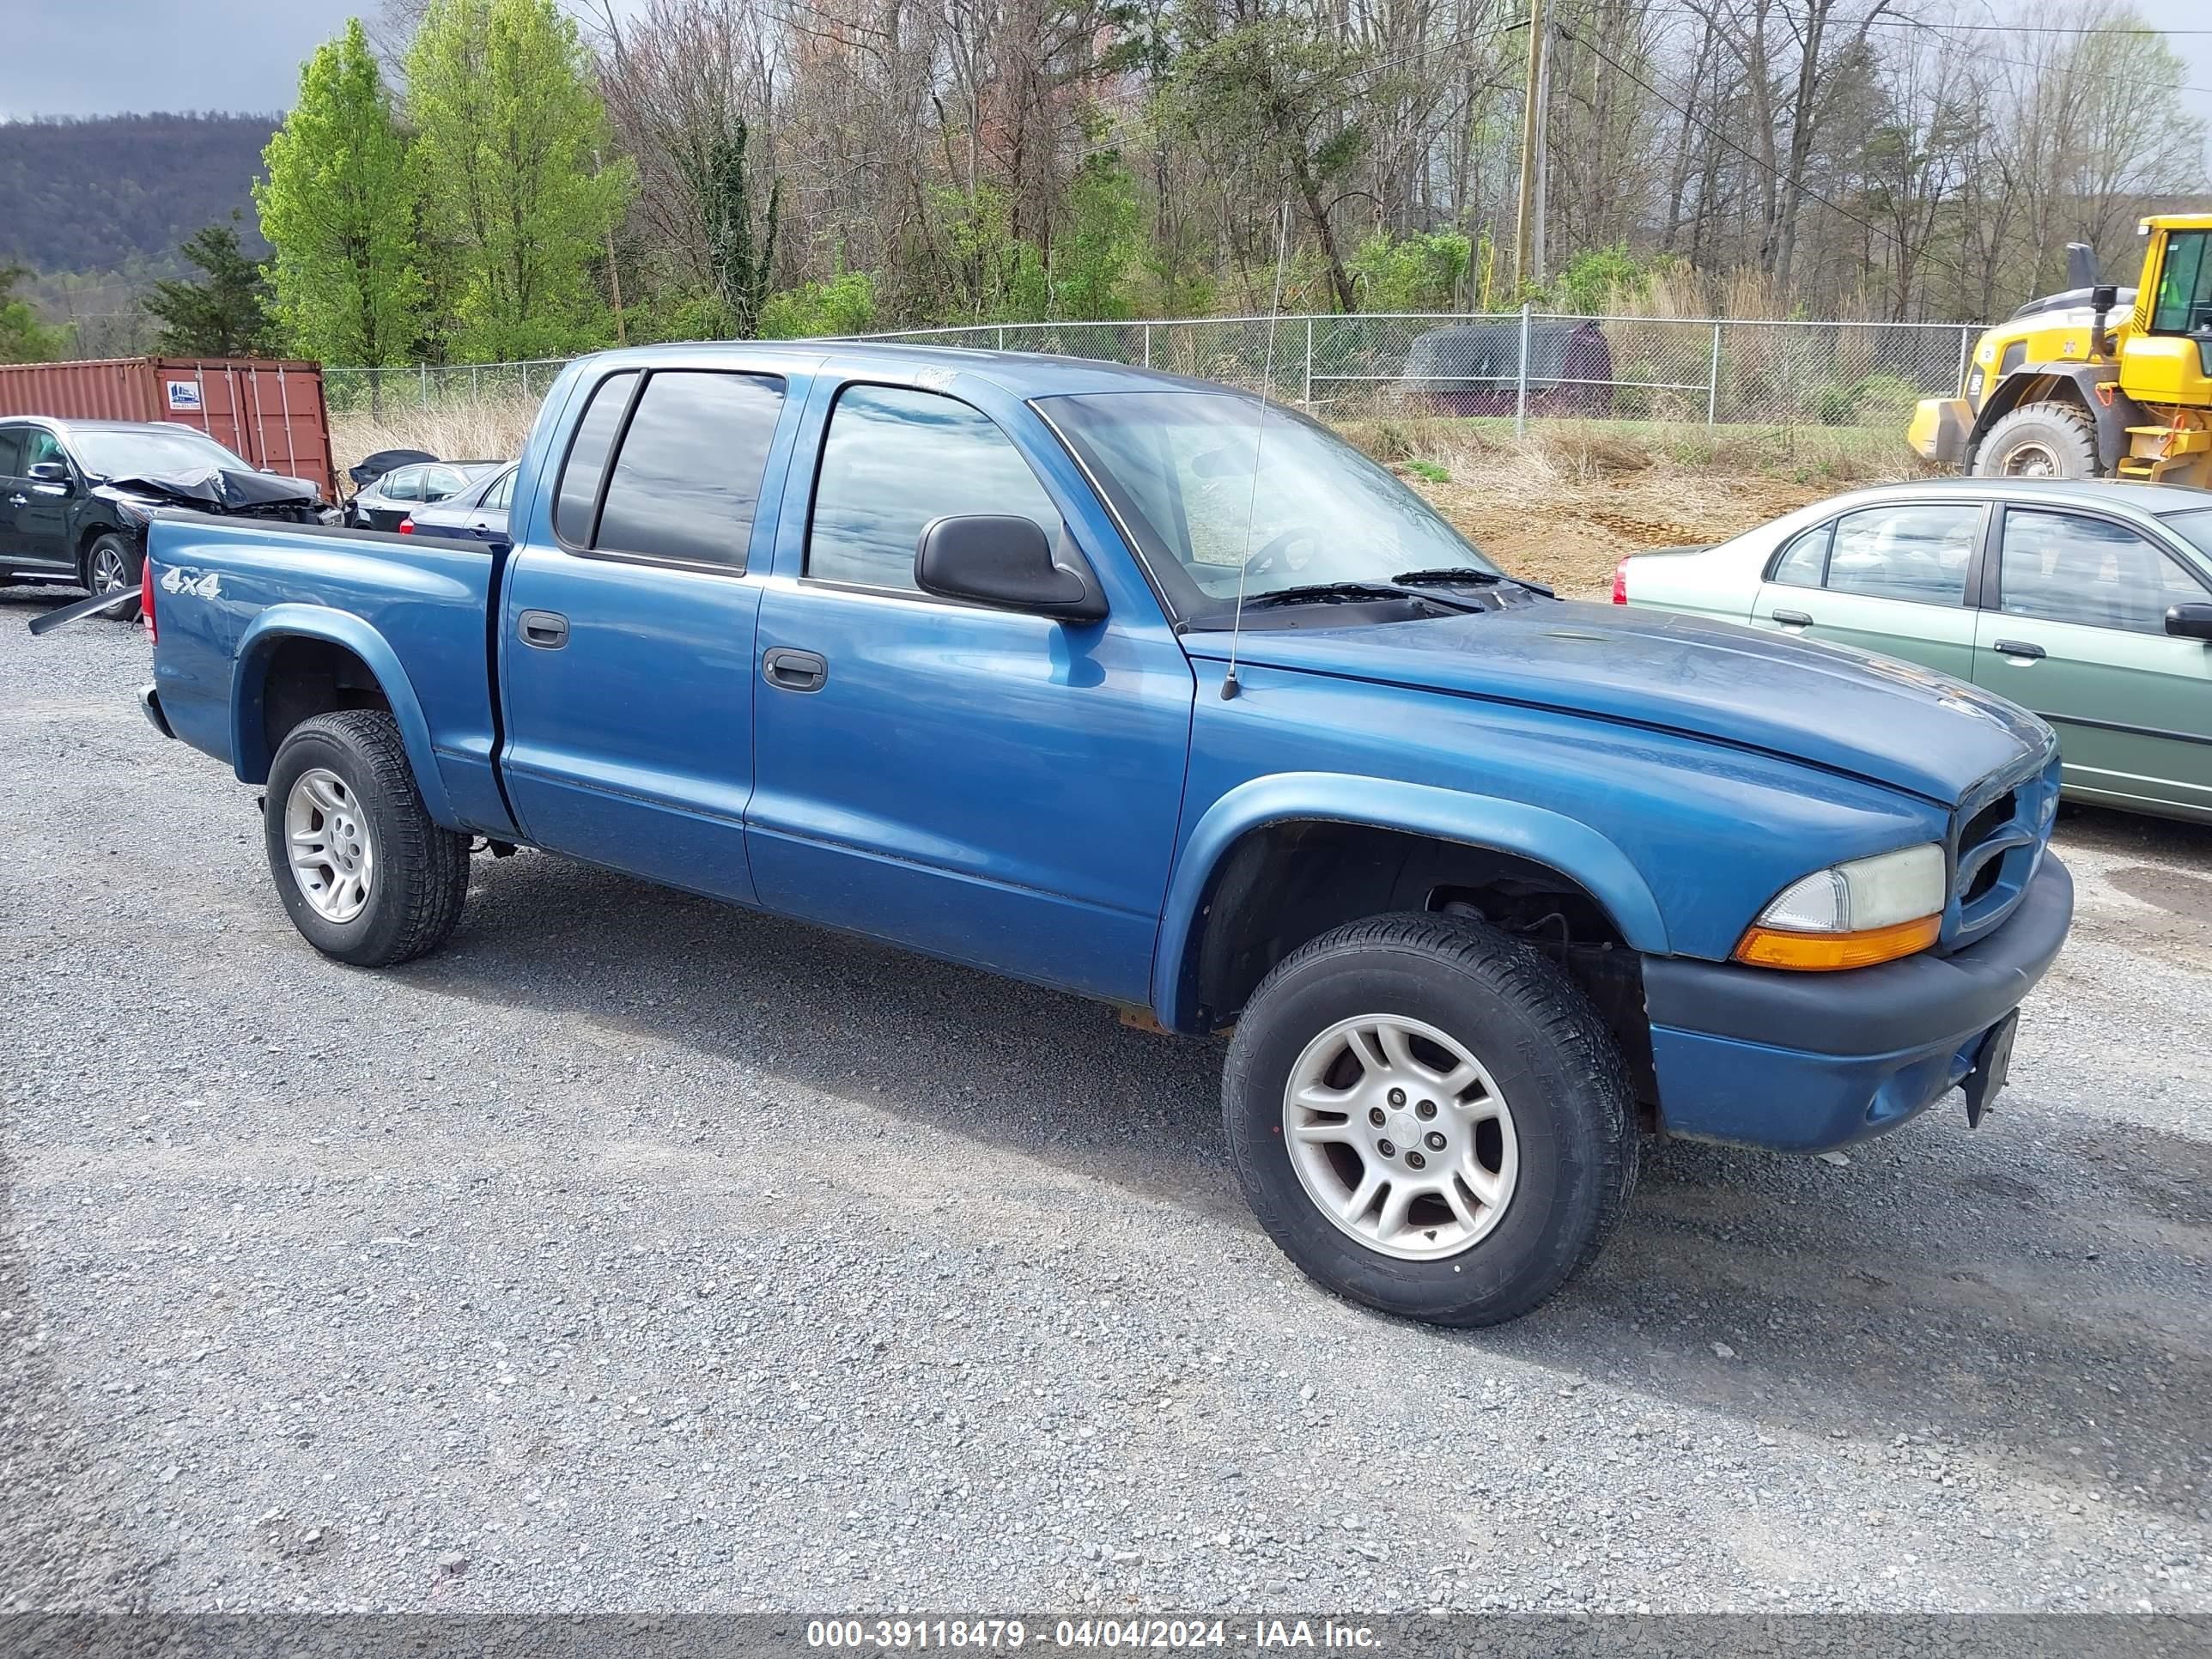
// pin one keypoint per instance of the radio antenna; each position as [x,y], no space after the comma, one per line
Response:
[1229,684]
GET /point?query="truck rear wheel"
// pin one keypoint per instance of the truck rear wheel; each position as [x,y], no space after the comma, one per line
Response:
[2040,440]
[1429,1118]
[365,874]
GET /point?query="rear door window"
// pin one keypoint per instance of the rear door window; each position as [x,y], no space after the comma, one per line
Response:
[11,451]
[687,482]
[1804,563]
[1920,554]
[497,498]
[2064,567]
[404,485]
[578,500]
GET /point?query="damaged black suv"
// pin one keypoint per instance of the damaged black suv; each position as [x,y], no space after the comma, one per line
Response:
[75,495]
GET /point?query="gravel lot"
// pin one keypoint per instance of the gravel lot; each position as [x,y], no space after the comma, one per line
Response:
[636,1252]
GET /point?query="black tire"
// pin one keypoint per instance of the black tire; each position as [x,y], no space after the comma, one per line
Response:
[117,557]
[1560,1072]
[421,871]
[2040,440]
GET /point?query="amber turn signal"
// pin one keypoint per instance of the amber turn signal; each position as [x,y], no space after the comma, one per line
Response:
[1823,953]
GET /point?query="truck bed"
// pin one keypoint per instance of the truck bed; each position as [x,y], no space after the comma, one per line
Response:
[229,596]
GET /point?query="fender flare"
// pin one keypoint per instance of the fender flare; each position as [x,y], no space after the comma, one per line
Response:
[2114,413]
[1564,844]
[341,628]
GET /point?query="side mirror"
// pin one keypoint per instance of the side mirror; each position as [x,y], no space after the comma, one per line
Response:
[1004,561]
[2192,620]
[49,472]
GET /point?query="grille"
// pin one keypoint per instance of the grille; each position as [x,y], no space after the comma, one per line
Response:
[2002,825]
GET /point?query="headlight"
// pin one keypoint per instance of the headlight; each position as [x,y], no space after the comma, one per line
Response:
[1852,915]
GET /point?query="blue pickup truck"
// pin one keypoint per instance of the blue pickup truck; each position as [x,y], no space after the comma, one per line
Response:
[1135,686]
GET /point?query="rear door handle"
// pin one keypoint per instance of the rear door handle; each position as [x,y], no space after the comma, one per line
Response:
[2017,648]
[1793,619]
[546,629]
[794,670]
[19,501]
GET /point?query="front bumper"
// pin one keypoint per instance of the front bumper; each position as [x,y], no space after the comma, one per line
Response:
[1801,1062]
[1938,430]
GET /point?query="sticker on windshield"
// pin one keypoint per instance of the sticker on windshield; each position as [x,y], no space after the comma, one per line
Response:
[179,578]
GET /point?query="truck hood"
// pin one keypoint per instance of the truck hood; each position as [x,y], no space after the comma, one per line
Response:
[1873,717]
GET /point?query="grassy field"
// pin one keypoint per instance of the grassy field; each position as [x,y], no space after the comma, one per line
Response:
[1562,505]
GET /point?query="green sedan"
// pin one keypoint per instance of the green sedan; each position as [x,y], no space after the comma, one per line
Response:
[2090,603]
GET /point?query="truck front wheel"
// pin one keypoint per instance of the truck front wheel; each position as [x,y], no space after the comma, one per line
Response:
[365,874]
[1429,1118]
[2040,440]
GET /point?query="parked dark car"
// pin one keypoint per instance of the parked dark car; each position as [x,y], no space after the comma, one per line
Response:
[402,490]
[75,495]
[1476,369]
[479,511]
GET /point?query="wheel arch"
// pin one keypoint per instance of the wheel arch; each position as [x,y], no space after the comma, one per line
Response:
[295,661]
[2092,387]
[1237,838]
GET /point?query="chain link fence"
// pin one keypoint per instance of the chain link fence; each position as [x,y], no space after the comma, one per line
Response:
[1519,366]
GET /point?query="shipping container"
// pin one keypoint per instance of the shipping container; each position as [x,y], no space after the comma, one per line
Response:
[270,412]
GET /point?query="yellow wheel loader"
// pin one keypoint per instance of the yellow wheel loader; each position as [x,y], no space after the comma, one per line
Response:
[2097,382]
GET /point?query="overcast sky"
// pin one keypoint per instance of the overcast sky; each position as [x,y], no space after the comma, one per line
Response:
[98,56]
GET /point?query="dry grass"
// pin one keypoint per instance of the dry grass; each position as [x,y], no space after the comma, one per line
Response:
[481,431]
[1561,506]
[1569,501]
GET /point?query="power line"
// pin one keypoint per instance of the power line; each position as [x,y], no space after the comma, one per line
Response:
[1900,20]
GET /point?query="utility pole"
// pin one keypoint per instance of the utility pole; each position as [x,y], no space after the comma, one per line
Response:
[1529,230]
[614,276]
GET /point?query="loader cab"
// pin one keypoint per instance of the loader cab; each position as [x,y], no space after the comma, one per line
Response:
[2170,362]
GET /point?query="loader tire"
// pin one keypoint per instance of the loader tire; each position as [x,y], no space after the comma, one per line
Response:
[2040,440]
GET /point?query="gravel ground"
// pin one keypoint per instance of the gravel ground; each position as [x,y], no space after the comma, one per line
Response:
[637,1253]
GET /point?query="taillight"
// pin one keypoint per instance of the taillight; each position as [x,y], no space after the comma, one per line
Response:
[1620,583]
[146,595]
[407,527]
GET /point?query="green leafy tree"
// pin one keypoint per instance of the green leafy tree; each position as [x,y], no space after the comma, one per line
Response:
[337,208]
[510,130]
[1100,239]
[226,314]
[1425,272]
[845,304]
[23,337]
[1290,93]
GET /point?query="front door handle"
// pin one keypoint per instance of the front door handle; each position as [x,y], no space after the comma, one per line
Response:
[19,500]
[1793,619]
[546,629]
[794,670]
[2016,648]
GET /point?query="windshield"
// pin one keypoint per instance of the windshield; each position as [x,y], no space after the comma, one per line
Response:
[2194,526]
[1178,468]
[150,452]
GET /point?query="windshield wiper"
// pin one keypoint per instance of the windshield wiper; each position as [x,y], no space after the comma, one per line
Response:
[1466,575]
[1353,593]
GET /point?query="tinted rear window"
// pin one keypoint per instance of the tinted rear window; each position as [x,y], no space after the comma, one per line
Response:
[688,481]
[579,496]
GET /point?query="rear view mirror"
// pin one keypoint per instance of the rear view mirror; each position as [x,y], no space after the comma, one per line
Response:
[2192,620]
[1004,560]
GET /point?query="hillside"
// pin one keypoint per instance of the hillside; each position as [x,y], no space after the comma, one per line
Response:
[102,192]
